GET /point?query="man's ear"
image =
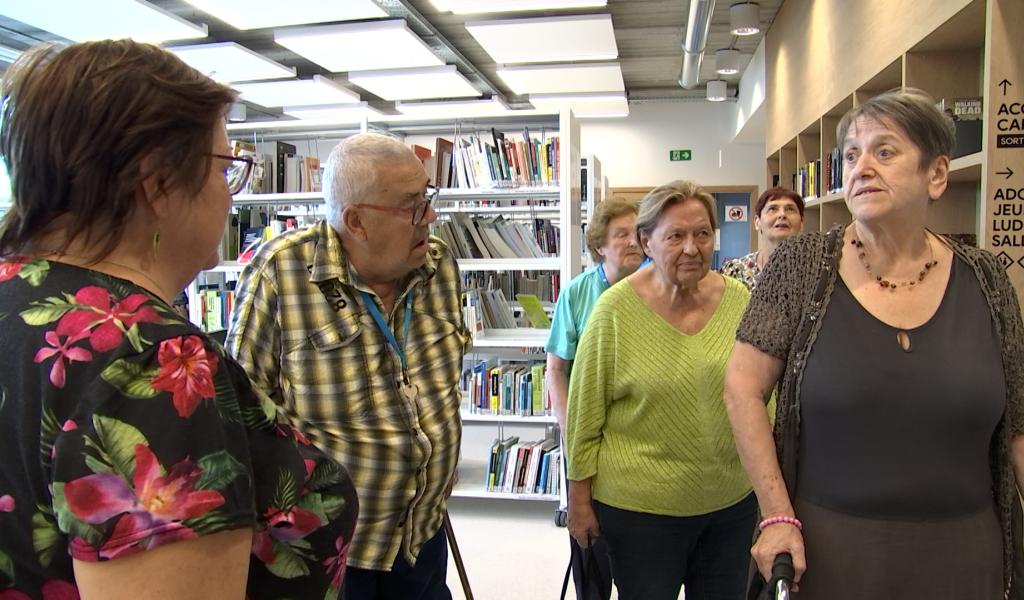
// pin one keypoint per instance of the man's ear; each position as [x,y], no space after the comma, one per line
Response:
[352,221]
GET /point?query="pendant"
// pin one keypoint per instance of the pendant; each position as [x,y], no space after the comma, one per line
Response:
[903,339]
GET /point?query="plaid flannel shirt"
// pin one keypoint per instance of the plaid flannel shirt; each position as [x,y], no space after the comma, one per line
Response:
[302,331]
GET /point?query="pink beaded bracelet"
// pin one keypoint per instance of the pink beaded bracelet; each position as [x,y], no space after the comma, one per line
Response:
[795,522]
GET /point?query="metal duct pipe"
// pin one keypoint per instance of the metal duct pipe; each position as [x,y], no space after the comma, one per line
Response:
[696,40]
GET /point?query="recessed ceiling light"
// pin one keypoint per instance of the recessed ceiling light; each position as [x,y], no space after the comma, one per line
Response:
[493,6]
[228,62]
[584,106]
[455,108]
[359,46]
[80,21]
[296,92]
[337,112]
[563,78]
[548,39]
[745,18]
[415,84]
[257,14]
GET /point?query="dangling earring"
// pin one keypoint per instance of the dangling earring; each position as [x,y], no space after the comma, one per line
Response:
[156,244]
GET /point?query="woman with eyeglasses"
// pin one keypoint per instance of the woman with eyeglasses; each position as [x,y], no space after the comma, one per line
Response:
[138,460]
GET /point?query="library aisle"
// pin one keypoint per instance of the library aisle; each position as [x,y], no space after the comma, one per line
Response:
[512,552]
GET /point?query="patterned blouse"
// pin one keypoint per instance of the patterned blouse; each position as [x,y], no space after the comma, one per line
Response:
[744,269]
[123,428]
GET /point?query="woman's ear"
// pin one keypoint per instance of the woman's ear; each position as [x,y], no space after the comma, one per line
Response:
[938,177]
[153,188]
[644,243]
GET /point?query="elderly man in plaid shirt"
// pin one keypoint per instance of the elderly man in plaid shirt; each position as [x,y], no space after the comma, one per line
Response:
[354,326]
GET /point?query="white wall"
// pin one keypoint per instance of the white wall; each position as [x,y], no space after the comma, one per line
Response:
[749,128]
[634,151]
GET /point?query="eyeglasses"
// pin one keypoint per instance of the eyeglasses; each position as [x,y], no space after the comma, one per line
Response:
[418,210]
[239,173]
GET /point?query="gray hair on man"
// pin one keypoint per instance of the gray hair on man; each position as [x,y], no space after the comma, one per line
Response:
[351,174]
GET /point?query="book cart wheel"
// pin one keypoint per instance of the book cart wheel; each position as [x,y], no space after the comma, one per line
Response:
[561,517]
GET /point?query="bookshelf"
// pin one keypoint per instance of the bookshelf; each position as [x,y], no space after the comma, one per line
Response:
[946,60]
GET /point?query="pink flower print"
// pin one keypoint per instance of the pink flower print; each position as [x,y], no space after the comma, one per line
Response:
[263,546]
[13,595]
[6,504]
[62,350]
[55,589]
[155,502]
[336,564]
[9,269]
[69,425]
[186,370]
[292,524]
[107,320]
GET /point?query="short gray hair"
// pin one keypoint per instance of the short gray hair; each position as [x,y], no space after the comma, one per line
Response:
[660,198]
[351,171]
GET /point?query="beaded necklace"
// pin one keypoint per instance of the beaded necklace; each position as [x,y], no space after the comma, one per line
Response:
[892,285]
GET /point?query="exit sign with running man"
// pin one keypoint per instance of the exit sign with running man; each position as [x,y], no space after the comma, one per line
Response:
[674,155]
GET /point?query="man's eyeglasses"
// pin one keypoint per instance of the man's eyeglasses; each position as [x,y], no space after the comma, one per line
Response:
[239,173]
[418,210]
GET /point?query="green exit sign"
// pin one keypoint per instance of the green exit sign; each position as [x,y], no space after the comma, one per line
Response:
[680,155]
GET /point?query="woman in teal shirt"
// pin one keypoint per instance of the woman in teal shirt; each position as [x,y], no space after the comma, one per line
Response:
[652,464]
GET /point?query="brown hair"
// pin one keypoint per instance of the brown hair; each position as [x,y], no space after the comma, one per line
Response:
[779,193]
[605,213]
[675,192]
[913,111]
[78,121]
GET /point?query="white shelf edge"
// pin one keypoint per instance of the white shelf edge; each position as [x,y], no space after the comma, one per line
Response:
[469,417]
[228,266]
[485,495]
[509,264]
[523,337]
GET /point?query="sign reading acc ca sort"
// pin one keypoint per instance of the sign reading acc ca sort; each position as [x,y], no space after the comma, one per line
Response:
[674,155]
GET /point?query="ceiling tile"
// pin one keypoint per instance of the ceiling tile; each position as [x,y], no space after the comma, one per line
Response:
[296,92]
[359,46]
[546,40]
[415,84]
[257,14]
[563,78]
[229,62]
[79,21]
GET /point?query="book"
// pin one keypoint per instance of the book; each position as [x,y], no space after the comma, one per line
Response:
[535,312]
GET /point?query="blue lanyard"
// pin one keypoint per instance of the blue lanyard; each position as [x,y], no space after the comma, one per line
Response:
[378,318]
[601,273]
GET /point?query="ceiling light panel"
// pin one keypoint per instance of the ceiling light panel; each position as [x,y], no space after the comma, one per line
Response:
[563,78]
[584,106]
[547,40]
[258,14]
[79,21]
[360,46]
[228,62]
[415,84]
[460,108]
[296,92]
[466,7]
[339,112]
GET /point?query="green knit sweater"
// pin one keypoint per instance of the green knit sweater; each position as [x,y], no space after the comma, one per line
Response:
[646,415]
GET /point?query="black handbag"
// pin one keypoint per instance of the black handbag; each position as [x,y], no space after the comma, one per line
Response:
[593,584]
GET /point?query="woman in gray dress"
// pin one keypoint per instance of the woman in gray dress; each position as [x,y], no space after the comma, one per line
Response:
[900,412]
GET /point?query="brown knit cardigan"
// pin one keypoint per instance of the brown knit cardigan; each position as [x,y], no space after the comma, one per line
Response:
[784,317]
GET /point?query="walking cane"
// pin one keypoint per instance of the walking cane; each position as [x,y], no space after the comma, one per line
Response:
[450,533]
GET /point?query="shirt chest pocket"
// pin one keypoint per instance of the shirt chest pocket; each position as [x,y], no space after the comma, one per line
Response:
[340,374]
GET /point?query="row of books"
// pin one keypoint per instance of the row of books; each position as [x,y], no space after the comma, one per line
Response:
[820,177]
[247,228]
[216,304]
[511,389]
[524,467]
[542,284]
[474,162]
[278,168]
[496,237]
[488,309]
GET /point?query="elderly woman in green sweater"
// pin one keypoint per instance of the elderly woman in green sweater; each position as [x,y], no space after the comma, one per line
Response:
[652,464]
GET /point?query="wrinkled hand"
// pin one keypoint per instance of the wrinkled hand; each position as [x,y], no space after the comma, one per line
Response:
[583,524]
[774,540]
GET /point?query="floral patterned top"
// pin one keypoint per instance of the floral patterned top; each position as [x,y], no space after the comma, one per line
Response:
[123,427]
[743,269]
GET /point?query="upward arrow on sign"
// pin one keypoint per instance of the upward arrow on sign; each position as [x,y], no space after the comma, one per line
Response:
[1004,84]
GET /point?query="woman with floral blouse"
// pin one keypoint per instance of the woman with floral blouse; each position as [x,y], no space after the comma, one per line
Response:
[138,461]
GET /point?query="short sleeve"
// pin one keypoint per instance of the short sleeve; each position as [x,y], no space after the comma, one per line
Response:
[157,451]
[773,313]
[563,338]
[253,335]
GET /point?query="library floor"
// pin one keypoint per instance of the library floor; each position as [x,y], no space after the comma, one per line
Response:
[512,550]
